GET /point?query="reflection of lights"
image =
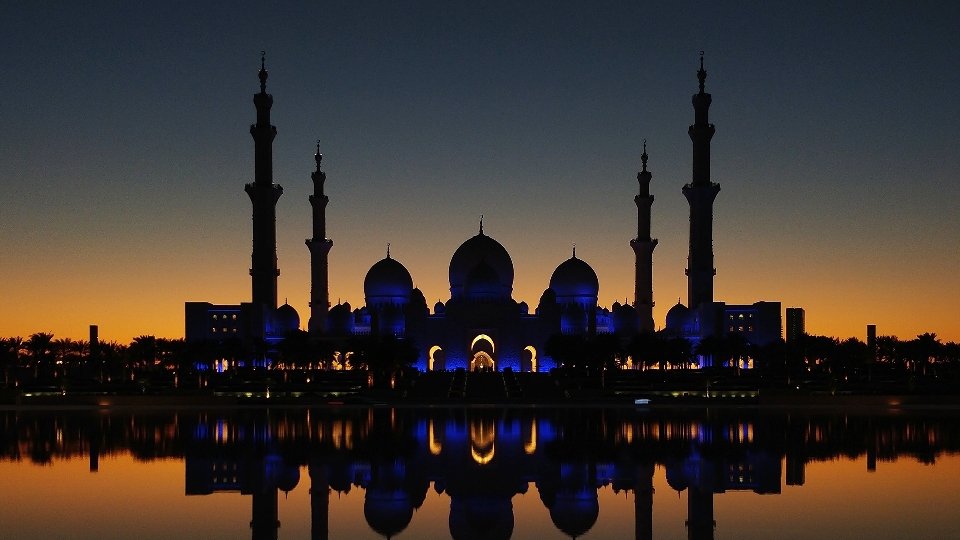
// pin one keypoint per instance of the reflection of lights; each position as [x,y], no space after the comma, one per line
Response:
[531,445]
[435,446]
[482,457]
[482,435]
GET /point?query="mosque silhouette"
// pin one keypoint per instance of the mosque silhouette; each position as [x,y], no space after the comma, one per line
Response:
[481,326]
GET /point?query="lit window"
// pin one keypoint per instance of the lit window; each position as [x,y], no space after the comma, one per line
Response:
[731,317]
[213,329]
[740,329]
[214,316]
[234,317]
[234,329]
[750,329]
[731,329]
[226,329]
[741,315]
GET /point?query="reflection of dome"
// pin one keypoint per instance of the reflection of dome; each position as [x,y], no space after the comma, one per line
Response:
[482,282]
[480,248]
[387,282]
[575,281]
[481,518]
[575,513]
[387,513]
[286,319]
[289,478]
[676,478]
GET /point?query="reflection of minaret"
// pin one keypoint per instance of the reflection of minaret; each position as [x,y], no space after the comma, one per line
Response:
[319,247]
[264,194]
[643,503]
[319,501]
[700,194]
[265,523]
[643,247]
[700,522]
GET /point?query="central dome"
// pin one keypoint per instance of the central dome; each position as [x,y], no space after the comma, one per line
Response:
[480,249]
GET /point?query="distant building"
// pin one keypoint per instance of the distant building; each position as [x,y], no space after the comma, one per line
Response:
[795,323]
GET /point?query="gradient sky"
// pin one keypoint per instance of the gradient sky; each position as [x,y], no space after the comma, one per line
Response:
[126,147]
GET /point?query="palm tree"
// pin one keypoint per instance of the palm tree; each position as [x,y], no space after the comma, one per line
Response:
[39,346]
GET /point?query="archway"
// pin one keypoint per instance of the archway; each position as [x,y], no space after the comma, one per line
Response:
[435,359]
[482,353]
[530,357]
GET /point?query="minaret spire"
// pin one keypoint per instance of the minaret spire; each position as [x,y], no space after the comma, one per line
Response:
[319,247]
[700,194]
[643,247]
[264,195]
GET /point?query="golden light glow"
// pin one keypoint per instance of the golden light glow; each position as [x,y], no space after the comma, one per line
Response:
[435,446]
[433,350]
[533,357]
[486,338]
[483,433]
[530,446]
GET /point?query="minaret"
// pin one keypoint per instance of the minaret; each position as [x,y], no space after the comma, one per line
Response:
[700,193]
[319,247]
[643,247]
[264,194]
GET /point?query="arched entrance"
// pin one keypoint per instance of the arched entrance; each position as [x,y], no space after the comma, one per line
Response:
[482,354]
[436,359]
[530,358]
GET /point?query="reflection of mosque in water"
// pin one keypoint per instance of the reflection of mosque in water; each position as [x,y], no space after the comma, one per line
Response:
[481,460]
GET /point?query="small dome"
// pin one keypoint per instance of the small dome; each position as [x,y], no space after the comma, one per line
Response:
[625,319]
[340,319]
[678,317]
[575,281]
[524,308]
[387,282]
[482,282]
[480,248]
[439,308]
[286,319]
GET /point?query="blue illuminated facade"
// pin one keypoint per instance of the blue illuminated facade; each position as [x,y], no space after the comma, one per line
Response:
[481,326]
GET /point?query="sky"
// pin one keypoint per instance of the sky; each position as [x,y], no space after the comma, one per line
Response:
[126,147]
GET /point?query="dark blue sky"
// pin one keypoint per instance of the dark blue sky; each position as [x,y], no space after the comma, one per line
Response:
[126,146]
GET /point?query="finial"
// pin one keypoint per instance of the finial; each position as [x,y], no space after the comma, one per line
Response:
[388,250]
[263,72]
[702,74]
[574,250]
[481,223]
[643,156]
[318,156]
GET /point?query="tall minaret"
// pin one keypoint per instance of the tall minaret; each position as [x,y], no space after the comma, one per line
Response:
[643,247]
[319,247]
[264,194]
[700,193]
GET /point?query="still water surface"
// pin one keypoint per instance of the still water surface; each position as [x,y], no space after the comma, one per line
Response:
[481,473]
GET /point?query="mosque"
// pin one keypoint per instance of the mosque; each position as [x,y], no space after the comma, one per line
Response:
[481,325]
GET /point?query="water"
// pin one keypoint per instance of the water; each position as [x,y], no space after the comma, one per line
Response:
[479,473]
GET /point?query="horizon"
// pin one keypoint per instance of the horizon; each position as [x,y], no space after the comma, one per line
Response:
[122,179]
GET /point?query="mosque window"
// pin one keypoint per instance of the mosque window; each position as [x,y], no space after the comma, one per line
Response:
[234,317]
[234,329]
[741,315]
[731,329]
[226,329]
[740,329]
[214,316]
[751,329]
[731,317]
[213,329]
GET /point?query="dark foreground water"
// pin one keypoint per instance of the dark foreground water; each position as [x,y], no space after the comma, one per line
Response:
[480,473]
